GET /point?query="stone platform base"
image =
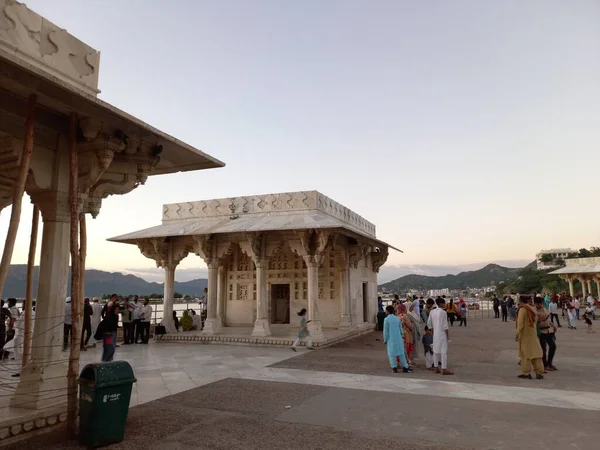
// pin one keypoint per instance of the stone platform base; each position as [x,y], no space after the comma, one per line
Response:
[23,424]
[281,336]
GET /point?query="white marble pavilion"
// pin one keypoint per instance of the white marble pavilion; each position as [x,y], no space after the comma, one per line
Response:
[268,256]
[584,270]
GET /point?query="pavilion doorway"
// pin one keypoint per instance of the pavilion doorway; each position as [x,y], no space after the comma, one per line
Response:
[280,303]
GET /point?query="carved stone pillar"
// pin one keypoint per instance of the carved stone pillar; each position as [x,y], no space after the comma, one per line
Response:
[589,287]
[312,245]
[571,287]
[167,254]
[344,276]
[45,375]
[255,246]
[211,325]
[315,328]
[583,287]
[598,287]
[206,247]
[221,295]
[261,325]
[168,298]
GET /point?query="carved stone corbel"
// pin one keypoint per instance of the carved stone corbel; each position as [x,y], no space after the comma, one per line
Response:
[203,247]
[253,246]
[357,252]
[379,258]
[311,245]
[165,254]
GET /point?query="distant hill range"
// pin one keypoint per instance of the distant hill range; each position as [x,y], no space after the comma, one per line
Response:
[492,274]
[98,283]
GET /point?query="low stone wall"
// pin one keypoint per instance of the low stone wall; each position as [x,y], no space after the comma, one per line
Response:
[260,341]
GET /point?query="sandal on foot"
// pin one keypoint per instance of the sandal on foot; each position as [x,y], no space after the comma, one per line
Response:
[527,377]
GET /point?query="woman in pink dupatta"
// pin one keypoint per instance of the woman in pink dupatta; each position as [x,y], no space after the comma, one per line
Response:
[407,331]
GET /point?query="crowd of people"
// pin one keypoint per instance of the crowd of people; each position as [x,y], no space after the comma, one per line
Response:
[413,322]
[569,307]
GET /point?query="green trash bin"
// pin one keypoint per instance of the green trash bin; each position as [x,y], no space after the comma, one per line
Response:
[104,395]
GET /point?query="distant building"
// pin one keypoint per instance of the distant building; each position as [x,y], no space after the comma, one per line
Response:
[438,292]
[551,258]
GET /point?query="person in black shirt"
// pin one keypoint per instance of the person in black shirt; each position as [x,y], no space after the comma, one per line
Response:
[4,314]
[87,324]
[496,307]
[504,309]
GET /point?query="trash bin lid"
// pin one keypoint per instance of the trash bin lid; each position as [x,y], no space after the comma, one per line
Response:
[107,374]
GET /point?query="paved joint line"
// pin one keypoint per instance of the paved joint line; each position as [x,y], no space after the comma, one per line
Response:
[451,389]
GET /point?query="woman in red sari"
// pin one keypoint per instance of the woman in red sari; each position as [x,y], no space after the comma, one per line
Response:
[407,331]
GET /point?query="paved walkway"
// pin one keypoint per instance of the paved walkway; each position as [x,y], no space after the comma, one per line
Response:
[345,396]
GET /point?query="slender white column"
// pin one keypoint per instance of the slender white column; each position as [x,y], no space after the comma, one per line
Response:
[261,325]
[43,378]
[345,316]
[211,326]
[314,326]
[169,293]
[589,287]
[221,295]
[583,287]
[571,288]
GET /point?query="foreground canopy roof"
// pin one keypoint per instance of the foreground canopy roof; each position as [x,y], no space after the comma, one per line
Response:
[260,213]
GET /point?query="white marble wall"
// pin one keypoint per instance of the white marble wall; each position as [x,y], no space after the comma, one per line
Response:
[284,268]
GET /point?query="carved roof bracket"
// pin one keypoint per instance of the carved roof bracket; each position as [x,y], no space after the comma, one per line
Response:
[163,251]
[379,258]
[357,252]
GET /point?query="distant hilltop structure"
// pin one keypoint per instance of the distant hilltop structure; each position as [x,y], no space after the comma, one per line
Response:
[554,257]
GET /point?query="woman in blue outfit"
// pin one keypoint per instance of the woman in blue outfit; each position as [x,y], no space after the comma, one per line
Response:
[392,337]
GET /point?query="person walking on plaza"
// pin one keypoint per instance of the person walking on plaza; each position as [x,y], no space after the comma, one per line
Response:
[464,312]
[496,304]
[590,299]
[303,332]
[407,332]
[588,321]
[416,326]
[512,307]
[392,338]
[452,311]
[107,331]
[546,334]
[96,316]
[428,349]
[86,327]
[127,321]
[530,350]
[429,306]
[553,310]
[438,323]
[571,316]
[137,321]
[5,315]
[576,305]
[504,309]
[145,317]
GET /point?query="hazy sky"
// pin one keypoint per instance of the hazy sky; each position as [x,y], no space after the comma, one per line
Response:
[467,131]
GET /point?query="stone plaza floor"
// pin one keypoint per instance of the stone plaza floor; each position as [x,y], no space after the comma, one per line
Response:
[345,397]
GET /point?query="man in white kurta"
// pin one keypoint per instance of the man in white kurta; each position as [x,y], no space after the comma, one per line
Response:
[438,322]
